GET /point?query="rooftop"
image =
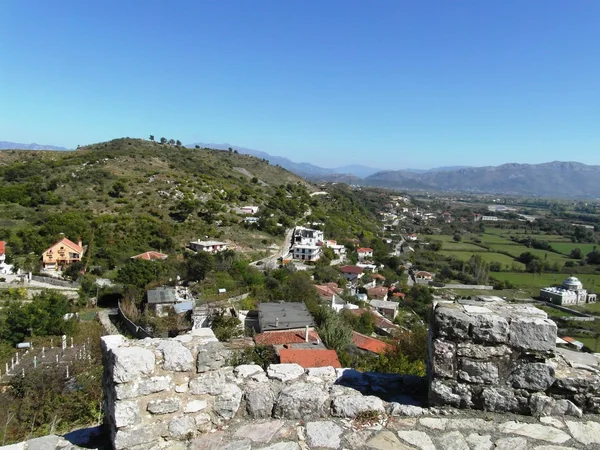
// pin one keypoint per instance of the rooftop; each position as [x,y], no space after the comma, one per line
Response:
[283,316]
[160,295]
[2,247]
[310,358]
[287,337]
[209,243]
[151,256]
[368,343]
[383,304]
[352,269]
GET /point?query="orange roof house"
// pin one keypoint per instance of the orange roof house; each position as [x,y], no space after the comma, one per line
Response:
[61,254]
[151,256]
[297,336]
[378,292]
[369,344]
[326,291]
[2,248]
[308,358]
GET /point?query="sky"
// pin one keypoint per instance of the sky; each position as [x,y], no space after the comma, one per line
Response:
[387,83]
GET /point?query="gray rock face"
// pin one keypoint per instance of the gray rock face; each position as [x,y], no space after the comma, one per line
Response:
[326,373]
[248,370]
[176,357]
[588,433]
[182,427]
[476,351]
[532,333]
[474,371]
[532,376]
[450,393]
[498,399]
[323,434]
[302,401]
[259,400]
[398,409]
[127,413]
[132,362]
[228,402]
[285,372]
[490,328]
[139,436]
[211,383]
[163,406]
[194,406]
[452,322]
[353,405]
[417,438]
[443,362]
[211,356]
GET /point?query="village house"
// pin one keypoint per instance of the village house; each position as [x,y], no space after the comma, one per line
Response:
[308,358]
[310,253]
[423,277]
[208,246]
[411,237]
[338,250]
[283,316]
[251,220]
[385,308]
[447,217]
[4,268]
[383,325]
[352,273]
[328,291]
[151,256]
[378,293]
[248,210]
[306,244]
[62,254]
[369,344]
[364,253]
[306,335]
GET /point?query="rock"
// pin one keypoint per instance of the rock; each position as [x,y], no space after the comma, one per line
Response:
[532,333]
[585,432]
[353,405]
[477,351]
[479,372]
[211,356]
[490,328]
[244,444]
[356,439]
[471,424]
[541,405]
[211,383]
[247,370]
[139,436]
[532,376]
[552,421]
[182,427]
[453,441]
[398,409]
[285,372]
[443,360]
[282,446]
[450,393]
[203,422]
[132,362]
[323,434]
[535,431]
[259,400]
[302,401]
[499,399]
[176,357]
[203,335]
[566,408]
[511,443]
[228,402]
[451,322]
[17,446]
[434,423]
[553,447]
[418,439]
[261,432]
[479,442]
[42,443]
[327,373]
[386,440]
[127,413]
[194,406]
[163,406]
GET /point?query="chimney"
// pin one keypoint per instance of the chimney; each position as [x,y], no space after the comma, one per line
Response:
[306,335]
[80,243]
[276,322]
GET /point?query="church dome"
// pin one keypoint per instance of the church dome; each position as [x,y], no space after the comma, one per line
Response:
[573,284]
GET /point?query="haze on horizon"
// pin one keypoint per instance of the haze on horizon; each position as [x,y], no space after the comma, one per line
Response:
[391,84]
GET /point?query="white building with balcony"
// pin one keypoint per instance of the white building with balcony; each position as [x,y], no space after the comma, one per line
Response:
[570,293]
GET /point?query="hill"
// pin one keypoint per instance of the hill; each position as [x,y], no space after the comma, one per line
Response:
[564,179]
[4,145]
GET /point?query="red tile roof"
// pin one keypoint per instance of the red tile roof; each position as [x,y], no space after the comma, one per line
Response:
[310,357]
[378,320]
[286,337]
[352,269]
[2,247]
[150,256]
[376,276]
[365,250]
[379,292]
[399,294]
[368,343]
[72,244]
[422,273]
[328,291]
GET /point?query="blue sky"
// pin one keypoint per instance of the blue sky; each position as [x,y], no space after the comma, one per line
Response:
[391,84]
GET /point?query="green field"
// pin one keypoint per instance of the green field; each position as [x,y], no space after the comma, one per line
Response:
[486,256]
[566,247]
[462,247]
[536,281]
[494,239]
[516,250]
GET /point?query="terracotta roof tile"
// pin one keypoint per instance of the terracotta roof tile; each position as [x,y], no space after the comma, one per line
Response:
[2,247]
[368,343]
[328,291]
[364,250]
[310,358]
[286,337]
[377,292]
[150,256]
[352,269]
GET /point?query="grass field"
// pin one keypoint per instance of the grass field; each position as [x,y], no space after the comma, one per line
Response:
[486,256]
[517,249]
[462,247]
[566,247]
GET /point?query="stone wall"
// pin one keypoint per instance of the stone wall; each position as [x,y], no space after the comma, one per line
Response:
[502,357]
[161,390]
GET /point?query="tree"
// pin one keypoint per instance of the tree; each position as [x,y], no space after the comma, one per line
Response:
[457,237]
[526,257]
[118,189]
[576,253]
[152,137]
[593,257]
[198,265]
[196,146]
[139,272]
[178,143]
[336,333]
[163,140]
[171,141]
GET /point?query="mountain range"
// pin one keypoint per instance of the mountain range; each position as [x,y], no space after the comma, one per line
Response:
[5,145]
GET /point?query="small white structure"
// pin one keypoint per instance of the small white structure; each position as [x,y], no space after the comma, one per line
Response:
[4,268]
[570,293]
[208,246]
[251,220]
[489,218]
[385,308]
[338,303]
[364,253]
[248,209]
[338,250]
[306,252]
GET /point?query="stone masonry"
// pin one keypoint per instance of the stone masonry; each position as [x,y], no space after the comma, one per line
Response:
[502,357]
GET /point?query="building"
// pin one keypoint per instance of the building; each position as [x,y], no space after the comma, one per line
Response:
[352,273]
[283,316]
[248,209]
[4,268]
[489,218]
[423,277]
[378,293]
[306,335]
[364,253]
[208,246]
[338,250]
[370,344]
[307,236]
[308,358]
[308,253]
[411,237]
[160,299]
[62,254]
[251,220]
[2,251]
[151,256]
[385,308]
[570,293]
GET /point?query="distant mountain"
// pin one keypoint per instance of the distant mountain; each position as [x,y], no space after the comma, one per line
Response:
[305,170]
[565,179]
[4,145]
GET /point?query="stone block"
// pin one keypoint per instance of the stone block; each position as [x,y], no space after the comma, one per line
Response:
[326,373]
[302,401]
[228,402]
[127,413]
[475,371]
[176,357]
[211,383]
[451,322]
[498,399]
[490,328]
[450,393]
[285,372]
[194,406]
[477,351]
[163,406]
[147,434]
[211,356]
[144,386]
[182,427]
[532,333]
[323,434]
[532,376]
[443,359]
[248,370]
[130,363]
[260,399]
[353,405]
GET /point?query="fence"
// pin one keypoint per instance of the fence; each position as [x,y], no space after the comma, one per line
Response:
[132,328]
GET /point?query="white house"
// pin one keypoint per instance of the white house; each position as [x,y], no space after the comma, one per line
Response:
[248,209]
[208,246]
[364,253]
[489,218]
[338,250]
[385,308]
[411,237]
[251,220]
[352,273]
[570,293]
[306,252]
[307,236]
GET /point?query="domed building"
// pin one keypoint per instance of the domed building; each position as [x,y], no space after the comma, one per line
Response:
[570,293]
